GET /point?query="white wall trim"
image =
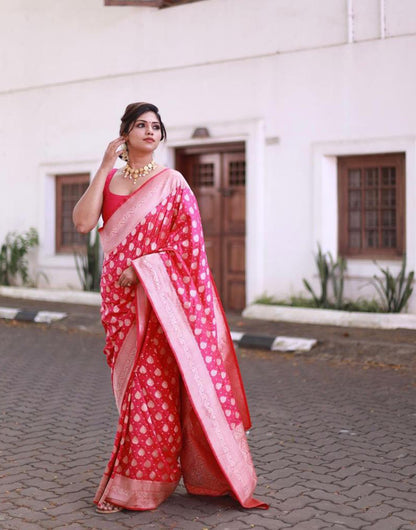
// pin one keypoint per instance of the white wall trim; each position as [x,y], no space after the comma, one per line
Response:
[252,132]
[383,21]
[350,21]
[47,257]
[325,196]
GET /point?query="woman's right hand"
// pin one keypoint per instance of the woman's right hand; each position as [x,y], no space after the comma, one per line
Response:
[111,153]
[87,211]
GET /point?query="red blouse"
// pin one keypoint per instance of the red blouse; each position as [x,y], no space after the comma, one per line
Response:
[111,201]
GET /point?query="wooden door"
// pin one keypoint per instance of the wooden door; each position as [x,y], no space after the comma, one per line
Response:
[217,177]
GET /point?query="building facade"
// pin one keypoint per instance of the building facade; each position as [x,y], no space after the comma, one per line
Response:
[293,120]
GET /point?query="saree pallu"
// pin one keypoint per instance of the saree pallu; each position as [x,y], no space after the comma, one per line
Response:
[176,381]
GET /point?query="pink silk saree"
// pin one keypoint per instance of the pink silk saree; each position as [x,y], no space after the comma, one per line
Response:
[175,377]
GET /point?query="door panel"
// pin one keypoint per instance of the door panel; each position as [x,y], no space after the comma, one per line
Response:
[233,231]
[233,271]
[235,295]
[204,176]
[208,206]
[218,181]
[212,243]
[234,254]
[234,193]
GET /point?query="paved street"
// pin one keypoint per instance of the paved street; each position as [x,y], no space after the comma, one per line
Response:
[334,443]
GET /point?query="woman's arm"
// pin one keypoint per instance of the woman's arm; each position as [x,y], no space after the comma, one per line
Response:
[87,211]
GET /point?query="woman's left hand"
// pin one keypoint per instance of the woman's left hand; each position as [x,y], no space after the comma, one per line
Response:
[128,277]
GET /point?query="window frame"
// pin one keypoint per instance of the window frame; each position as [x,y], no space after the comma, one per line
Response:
[346,163]
[60,181]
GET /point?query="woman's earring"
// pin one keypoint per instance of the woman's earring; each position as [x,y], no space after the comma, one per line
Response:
[124,153]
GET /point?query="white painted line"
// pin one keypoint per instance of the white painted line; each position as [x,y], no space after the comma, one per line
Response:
[8,312]
[237,335]
[46,317]
[293,344]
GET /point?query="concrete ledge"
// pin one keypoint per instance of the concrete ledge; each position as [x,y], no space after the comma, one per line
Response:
[303,315]
[52,295]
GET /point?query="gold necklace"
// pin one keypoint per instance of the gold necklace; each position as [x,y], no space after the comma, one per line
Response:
[134,174]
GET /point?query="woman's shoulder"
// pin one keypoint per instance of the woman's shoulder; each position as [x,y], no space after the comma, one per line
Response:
[109,177]
[176,178]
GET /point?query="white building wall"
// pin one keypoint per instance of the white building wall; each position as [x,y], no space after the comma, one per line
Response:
[57,41]
[300,81]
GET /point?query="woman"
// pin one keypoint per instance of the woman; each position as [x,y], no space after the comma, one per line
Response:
[174,371]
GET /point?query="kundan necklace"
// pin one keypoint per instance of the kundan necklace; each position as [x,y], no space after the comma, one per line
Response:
[134,174]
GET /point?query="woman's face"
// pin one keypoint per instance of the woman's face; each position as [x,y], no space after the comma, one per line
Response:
[145,134]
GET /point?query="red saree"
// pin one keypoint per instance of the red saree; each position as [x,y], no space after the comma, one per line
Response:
[174,371]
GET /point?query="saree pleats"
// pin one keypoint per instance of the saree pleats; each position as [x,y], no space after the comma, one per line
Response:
[144,466]
[176,381]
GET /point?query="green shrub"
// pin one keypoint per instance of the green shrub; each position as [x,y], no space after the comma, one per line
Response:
[394,292]
[330,272]
[13,256]
[88,264]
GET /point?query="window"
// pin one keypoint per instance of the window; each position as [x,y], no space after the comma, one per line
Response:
[371,204]
[69,189]
[148,3]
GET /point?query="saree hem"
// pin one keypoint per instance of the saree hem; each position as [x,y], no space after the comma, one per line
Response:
[133,494]
[248,504]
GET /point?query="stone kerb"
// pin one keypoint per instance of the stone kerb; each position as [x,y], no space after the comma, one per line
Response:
[52,295]
[303,315]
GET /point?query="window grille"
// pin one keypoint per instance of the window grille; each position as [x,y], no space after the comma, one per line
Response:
[69,189]
[203,175]
[237,172]
[371,205]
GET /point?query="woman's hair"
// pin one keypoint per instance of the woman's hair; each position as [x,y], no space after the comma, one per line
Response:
[133,111]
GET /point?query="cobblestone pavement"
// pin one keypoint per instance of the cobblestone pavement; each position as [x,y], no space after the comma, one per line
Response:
[334,444]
